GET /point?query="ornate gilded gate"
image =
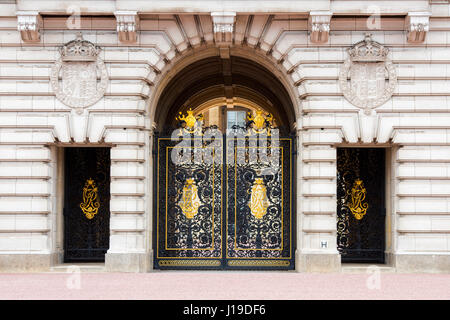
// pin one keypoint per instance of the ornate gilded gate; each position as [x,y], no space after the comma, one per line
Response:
[361,204]
[224,201]
[86,204]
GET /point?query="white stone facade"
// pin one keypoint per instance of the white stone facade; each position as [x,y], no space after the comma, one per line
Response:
[413,124]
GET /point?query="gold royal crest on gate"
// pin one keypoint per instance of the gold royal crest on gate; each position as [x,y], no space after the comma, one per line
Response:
[190,202]
[258,199]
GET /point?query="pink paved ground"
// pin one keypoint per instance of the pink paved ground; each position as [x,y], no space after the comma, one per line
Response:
[214,285]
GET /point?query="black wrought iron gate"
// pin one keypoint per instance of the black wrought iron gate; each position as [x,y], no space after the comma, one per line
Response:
[361,204]
[86,204]
[223,202]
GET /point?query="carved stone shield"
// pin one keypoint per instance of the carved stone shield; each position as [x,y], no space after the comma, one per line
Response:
[79,79]
[79,76]
[367,78]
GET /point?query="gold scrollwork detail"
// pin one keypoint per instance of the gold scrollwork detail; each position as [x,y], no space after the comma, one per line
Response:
[258,199]
[90,203]
[259,263]
[190,263]
[190,202]
[358,194]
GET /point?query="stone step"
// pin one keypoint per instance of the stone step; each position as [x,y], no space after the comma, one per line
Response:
[366,268]
[82,267]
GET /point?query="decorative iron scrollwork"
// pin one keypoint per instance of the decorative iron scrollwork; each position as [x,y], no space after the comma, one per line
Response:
[90,203]
[190,263]
[189,200]
[258,192]
[196,168]
[259,263]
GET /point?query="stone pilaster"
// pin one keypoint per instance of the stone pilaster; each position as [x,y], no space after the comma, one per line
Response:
[128,250]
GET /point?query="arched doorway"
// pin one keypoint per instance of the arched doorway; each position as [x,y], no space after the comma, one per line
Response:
[236,211]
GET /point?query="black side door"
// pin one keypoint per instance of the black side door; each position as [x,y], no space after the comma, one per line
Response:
[361,204]
[86,204]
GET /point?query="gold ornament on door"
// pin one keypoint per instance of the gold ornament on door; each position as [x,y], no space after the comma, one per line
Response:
[358,194]
[90,203]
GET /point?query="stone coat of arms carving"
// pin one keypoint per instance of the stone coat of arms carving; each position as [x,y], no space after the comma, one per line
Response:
[79,77]
[368,78]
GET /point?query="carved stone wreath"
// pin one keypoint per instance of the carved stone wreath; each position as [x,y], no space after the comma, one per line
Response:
[79,67]
[363,75]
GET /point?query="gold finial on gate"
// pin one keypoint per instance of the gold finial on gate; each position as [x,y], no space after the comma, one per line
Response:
[260,122]
[192,123]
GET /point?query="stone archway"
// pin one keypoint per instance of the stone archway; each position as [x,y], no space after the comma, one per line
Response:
[202,76]
[247,70]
